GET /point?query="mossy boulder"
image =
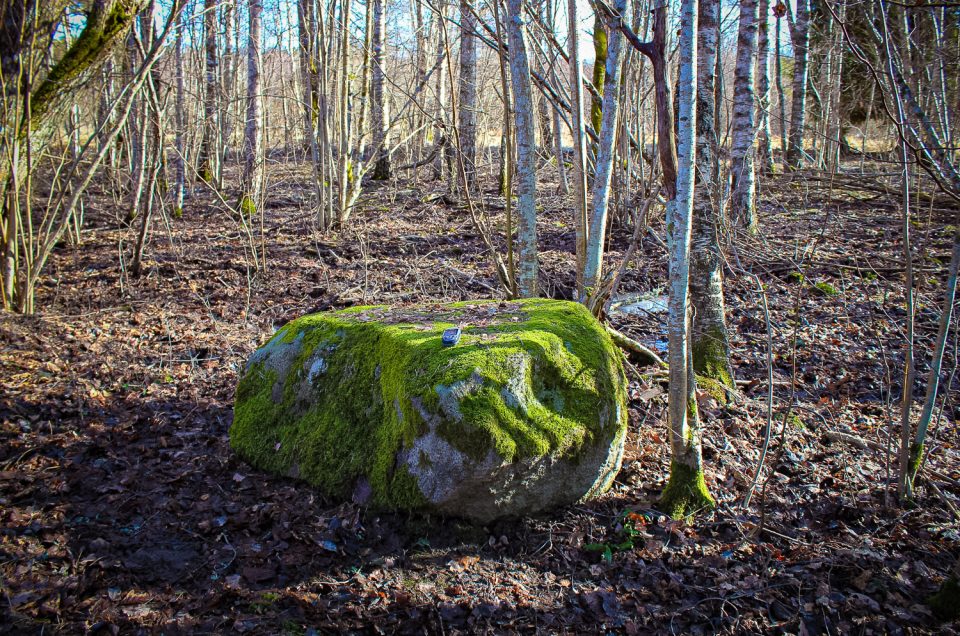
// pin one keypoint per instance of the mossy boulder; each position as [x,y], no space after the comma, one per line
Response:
[527,412]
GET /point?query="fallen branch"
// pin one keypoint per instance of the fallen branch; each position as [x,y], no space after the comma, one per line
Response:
[644,355]
[853,440]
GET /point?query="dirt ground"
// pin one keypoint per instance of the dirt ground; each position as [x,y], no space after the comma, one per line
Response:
[123,510]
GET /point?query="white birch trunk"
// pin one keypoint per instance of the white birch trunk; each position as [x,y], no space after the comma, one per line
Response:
[343,121]
[742,152]
[468,92]
[686,492]
[441,132]
[252,142]
[207,164]
[800,34]
[180,154]
[579,169]
[379,117]
[709,342]
[597,225]
[765,151]
[526,134]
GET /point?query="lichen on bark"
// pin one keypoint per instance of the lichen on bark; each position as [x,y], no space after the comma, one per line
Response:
[711,356]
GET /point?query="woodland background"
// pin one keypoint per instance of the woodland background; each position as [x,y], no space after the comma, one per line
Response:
[179,179]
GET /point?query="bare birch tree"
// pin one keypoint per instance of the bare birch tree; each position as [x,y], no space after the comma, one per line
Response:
[709,340]
[468,92]
[526,167]
[765,147]
[180,121]
[578,173]
[380,116]
[800,36]
[610,108]
[208,166]
[33,109]
[742,189]
[251,198]
[686,492]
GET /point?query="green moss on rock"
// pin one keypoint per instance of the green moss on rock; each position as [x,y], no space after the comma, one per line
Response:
[367,403]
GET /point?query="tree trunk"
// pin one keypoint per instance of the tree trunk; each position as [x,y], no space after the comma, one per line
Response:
[441,131]
[380,117]
[742,189]
[343,106]
[661,78]
[599,72]
[252,196]
[933,378]
[557,132]
[686,492]
[207,168]
[525,126]
[781,97]
[180,120]
[597,226]
[765,151]
[468,92]
[579,171]
[228,79]
[709,341]
[800,34]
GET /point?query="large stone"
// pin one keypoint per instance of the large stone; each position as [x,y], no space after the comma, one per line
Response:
[527,412]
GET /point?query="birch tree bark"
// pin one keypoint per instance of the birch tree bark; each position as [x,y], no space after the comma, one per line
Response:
[207,164]
[557,136]
[835,141]
[686,492]
[442,162]
[228,78]
[709,340]
[667,148]
[597,225]
[306,34]
[344,165]
[600,52]
[742,152]
[765,148]
[180,120]
[526,134]
[468,92]
[379,114]
[252,179]
[578,173]
[800,35]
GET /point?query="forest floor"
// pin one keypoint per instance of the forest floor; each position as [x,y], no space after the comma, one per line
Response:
[123,510]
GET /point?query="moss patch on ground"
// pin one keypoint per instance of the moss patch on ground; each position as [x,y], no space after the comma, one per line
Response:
[825,289]
[946,602]
[349,400]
